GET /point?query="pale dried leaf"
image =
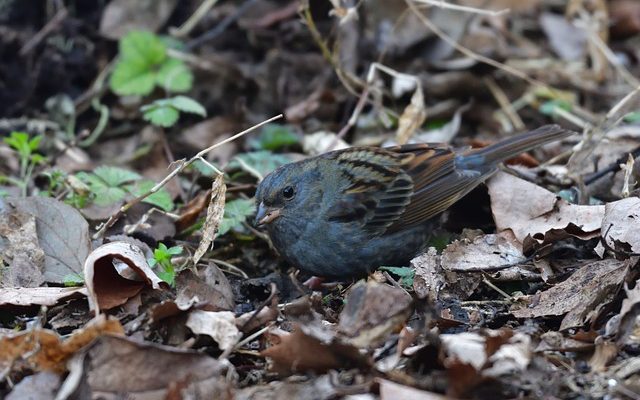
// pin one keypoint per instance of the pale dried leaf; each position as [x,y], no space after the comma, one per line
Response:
[42,296]
[122,16]
[412,117]
[219,325]
[215,212]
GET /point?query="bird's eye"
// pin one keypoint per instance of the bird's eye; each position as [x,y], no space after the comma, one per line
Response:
[288,193]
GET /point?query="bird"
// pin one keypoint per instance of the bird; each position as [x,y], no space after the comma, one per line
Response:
[344,213]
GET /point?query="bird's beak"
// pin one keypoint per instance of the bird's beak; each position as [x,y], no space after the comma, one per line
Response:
[266,214]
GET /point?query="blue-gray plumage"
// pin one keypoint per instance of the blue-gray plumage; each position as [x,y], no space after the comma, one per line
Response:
[344,213]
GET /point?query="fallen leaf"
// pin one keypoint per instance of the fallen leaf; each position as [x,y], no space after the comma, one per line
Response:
[116,272]
[40,386]
[586,289]
[484,252]
[215,212]
[45,350]
[117,366]
[620,226]
[219,325]
[41,296]
[207,286]
[63,235]
[372,312]
[532,211]
[392,391]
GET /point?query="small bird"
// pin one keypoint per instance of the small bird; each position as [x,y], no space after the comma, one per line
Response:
[344,213]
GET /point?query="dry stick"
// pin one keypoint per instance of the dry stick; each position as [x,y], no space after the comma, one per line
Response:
[193,20]
[181,166]
[505,104]
[443,4]
[50,26]
[471,54]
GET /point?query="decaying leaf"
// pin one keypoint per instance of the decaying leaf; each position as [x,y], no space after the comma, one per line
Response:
[41,296]
[219,325]
[143,370]
[484,252]
[215,211]
[116,272]
[587,289]
[391,391]
[42,349]
[412,117]
[309,348]
[63,235]
[620,226]
[372,312]
[121,17]
[207,286]
[531,211]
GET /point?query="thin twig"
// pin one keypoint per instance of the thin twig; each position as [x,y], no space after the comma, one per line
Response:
[444,4]
[193,20]
[50,26]
[181,165]
[221,27]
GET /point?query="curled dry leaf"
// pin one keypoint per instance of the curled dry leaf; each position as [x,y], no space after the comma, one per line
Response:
[41,296]
[219,325]
[529,210]
[215,212]
[620,226]
[372,312]
[586,290]
[116,272]
[42,349]
[63,235]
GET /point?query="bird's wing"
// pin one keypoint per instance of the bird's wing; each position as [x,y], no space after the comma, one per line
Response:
[378,189]
[437,182]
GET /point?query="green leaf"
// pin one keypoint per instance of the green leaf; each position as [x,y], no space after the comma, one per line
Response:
[549,107]
[175,76]
[165,112]
[274,137]
[135,72]
[115,176]
[132,79]
[632,117]
[161,198]
[406,274]
[262,161]
[164,116]
[142,47]
[75,279]
[235,213]
[187,104]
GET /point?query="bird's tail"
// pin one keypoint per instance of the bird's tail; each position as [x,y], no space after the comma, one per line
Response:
[511,147]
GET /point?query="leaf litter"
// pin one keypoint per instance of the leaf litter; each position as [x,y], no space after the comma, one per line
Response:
[528,287]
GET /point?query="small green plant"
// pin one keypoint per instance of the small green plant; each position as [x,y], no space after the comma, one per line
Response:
[406,275]
[109,185]
[162,261]
[75,279]
[274,137]
[26,148]
[235,213]
[144,64]
[165,112]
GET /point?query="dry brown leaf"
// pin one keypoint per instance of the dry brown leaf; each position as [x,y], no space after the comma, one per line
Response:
[484,252]
[42,296]
[215,212]
[207,286]
[302,350]
[530,210]
[40,386]
[116,272]
[118,366]
[588,288]
[42,349]
[372,312]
